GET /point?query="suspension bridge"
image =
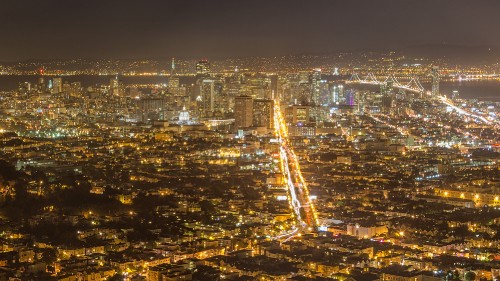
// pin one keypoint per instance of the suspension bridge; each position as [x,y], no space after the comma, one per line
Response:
[413,85]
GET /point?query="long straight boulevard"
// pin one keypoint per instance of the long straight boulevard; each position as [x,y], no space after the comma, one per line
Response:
[299,199]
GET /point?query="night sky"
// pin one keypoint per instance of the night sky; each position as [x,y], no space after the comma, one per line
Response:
[43,29]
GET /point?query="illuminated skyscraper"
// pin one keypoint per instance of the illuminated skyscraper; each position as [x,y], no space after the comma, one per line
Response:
[387,88]
[297,114]
[151,109]
[41,84]
[207,91]
[337,93]
[263,113]
[350,97]
[116,86]
[435,81]
[57,85]
[243,112]
[315,86]
[172,69]
[274,85]
[324,93]
[203,68]
[75,89]
[173,82]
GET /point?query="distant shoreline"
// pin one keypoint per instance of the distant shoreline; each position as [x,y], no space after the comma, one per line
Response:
[488,89]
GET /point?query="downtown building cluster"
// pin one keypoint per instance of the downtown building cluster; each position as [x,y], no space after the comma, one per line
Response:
[184,180]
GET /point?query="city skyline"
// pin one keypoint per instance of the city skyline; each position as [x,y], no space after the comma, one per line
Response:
[249,140]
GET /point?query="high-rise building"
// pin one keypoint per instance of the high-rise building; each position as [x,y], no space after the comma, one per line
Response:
[172,69]
[243,112]
[350,97]
[113,83]
[116,86]
[257,87]
[66,87]
[207,95]
[337,93]
[387,88]
[296,114]
[151,109]
[315,86]
[274,85]
[41,84]
[324,93]
[263,113]
[387,102]
[203,68]
[75,89]
[173,85]
[435,81]
[57,85]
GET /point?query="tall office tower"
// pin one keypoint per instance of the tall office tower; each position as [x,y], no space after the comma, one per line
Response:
[41,84]
[116,86]
[243,112]
[221,99]
[66,87]
[387,102]
[361,97]
[203,68]
[236,77]
[315,86]
[172,69]
[274,86]
[113,83]
[267,88]
[173,82]
[173,85]
[263,113]
[232,90]
[75,89]
[387,87]
[350,97]
[57,85]
[151,109]
[304,93]
[324,93]
[435,81]
[337,92]
[304,77]
[297,114]
[207,95]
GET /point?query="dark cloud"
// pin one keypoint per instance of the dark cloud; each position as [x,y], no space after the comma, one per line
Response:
[153,28]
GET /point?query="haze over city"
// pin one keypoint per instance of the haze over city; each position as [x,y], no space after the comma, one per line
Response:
[249,140]
[128,29]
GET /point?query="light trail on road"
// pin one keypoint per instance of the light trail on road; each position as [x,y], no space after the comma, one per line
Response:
[461,111]
[299,198]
